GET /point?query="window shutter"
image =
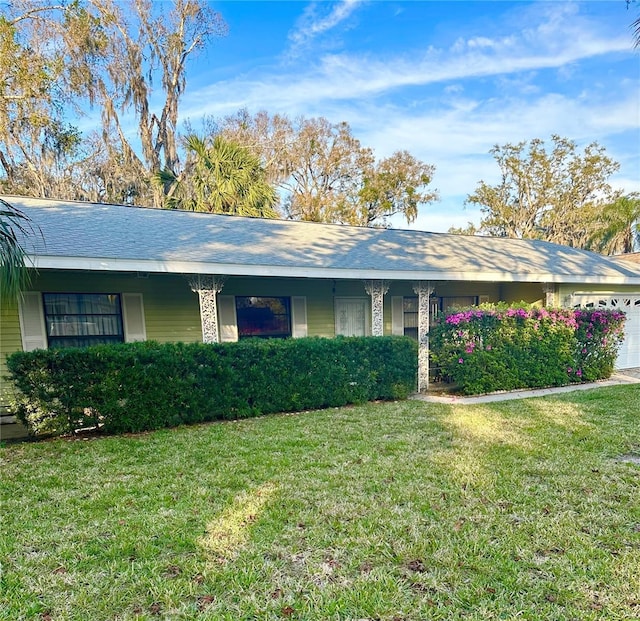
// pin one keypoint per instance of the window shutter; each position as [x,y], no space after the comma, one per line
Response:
[227,323]
[133,317]
[32,328]
[397,315]
[298,317]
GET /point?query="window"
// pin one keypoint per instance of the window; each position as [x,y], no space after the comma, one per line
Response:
[352,316]
[263,317]
[447,304]
[410,315]
[82,319]
[437,305]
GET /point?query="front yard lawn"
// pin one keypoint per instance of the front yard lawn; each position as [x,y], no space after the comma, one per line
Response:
[395,511]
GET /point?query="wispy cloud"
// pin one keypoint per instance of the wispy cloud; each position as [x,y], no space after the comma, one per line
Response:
[526,77]
[315,21]
[349,76]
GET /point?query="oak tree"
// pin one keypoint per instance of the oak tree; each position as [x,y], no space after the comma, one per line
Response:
[546,194]
[121,58]
[325,174]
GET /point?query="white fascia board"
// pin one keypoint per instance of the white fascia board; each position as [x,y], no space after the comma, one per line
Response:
[231,269]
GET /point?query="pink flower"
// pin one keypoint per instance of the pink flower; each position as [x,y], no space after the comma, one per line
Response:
[460,360]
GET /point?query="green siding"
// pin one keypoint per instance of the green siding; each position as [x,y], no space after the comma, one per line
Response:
[10,341]
[170,307]
[532,293]
[319,294]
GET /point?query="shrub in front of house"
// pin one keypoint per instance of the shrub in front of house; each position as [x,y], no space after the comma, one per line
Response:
[599,335]
[140,386]
[498,347]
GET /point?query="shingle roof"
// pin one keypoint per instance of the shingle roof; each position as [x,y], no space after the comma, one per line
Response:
[633,257]
[79,235]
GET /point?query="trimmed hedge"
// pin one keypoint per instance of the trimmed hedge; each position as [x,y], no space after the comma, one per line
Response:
[140,386]
[496,347]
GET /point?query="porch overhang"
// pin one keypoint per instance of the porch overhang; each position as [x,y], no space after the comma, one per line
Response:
[285,271]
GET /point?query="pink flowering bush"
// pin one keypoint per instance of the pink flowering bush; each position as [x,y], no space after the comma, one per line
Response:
[500,347]
[599,335]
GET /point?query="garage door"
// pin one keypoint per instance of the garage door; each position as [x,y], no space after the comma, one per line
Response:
[629,355]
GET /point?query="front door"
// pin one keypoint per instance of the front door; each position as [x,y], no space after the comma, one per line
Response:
[352,316]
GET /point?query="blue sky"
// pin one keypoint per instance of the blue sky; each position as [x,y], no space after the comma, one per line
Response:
[444,80]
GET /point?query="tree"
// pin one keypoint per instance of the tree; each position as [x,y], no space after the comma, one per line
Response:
[270,137]
[36,144]
[220,178]
[326,164]
[111,54]
[390,187]
[618,229]
[470,229]
[41,154]
[552,195]
[326,175]
[13,225]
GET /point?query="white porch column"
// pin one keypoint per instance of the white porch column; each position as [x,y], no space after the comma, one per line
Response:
[423,290]
[376,289]
[549,294]
[207,287]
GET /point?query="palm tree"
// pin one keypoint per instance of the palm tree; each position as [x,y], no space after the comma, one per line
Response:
[224,177]
[635,25]
[14,225]
[620,226]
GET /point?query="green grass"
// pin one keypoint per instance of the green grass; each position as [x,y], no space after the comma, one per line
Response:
[397,511]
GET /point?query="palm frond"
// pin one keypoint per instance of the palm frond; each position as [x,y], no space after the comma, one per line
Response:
[15,226]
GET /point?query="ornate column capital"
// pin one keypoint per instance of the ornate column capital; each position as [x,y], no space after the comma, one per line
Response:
[371,286]
[206,282]
[423,287]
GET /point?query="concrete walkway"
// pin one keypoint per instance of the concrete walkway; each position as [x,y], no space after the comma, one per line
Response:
[628,376]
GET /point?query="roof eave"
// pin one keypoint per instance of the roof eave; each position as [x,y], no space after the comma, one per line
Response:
[232,269]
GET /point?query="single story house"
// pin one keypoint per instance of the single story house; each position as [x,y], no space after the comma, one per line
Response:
[109,273]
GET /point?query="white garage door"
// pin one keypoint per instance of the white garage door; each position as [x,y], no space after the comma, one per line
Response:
[629,355]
